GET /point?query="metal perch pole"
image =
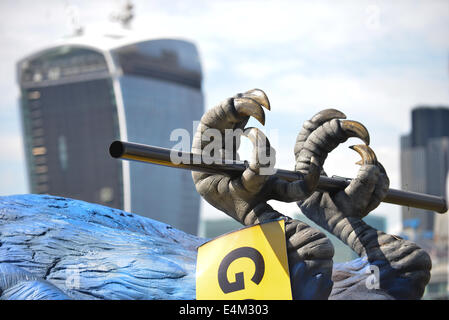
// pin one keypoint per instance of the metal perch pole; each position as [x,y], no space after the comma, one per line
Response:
[195,162]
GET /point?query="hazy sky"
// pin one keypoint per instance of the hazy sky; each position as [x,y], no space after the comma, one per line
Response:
[373,60]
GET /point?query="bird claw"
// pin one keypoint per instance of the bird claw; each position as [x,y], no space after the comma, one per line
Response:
[257,95]
[322,134]
[355,129]
[263,154]
[249,107]
[257,137]
[322,117]
[251,102]
[367,154]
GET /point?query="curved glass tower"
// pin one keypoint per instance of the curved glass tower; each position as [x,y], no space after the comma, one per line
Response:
[79,96]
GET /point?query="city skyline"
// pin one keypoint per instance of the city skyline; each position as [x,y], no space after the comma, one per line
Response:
[375,61]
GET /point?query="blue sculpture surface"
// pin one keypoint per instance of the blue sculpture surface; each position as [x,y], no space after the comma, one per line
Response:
[60,248]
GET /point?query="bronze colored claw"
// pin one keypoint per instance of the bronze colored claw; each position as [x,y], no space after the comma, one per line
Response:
[259,96]
[249,107]
[261,147]
[257,137]
[367,154]
[355,129]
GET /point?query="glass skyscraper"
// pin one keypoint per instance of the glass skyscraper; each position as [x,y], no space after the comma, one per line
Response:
[80,95]
[425,164]
[424,168]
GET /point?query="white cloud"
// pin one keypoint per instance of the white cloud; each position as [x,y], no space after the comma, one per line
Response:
[386,97]
[12,165]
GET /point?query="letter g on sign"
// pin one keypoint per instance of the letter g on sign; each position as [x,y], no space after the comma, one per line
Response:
[239,283]
[250,263]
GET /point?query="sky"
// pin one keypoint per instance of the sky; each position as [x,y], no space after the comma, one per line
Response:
[373,60]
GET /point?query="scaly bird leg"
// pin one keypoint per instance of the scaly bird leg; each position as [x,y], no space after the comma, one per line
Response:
[245,198]
[404,267]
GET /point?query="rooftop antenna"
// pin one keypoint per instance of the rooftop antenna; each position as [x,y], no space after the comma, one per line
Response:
[125,15]
[73,22]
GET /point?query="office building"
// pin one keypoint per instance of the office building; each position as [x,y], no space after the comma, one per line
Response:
[424,168]
[85,92]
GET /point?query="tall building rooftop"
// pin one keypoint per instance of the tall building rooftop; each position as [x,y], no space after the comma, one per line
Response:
[429,122]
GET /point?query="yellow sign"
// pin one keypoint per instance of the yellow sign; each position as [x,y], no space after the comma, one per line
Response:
[250,263]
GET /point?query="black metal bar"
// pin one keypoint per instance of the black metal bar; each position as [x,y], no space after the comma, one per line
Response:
[194,162]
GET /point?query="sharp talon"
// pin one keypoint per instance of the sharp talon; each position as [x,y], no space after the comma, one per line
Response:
[259,96]
[327,115]
[355,129]
[260,143]
[367,154]
[257,137]
[249,107]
